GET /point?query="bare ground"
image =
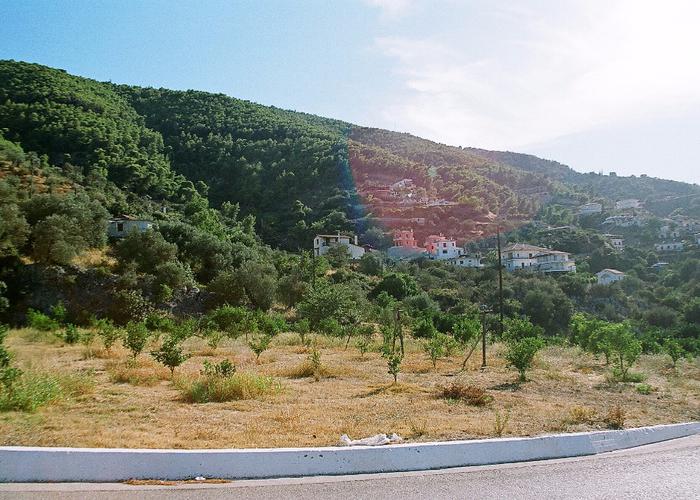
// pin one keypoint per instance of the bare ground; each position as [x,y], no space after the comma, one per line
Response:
[566,391]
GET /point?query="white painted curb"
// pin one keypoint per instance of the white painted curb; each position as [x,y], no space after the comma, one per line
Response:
[34,464]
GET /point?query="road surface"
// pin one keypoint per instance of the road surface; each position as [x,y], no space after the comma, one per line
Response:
[668,470]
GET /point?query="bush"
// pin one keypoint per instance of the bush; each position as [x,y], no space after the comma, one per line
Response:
[217,389]
[30,390]
[136,337]
[41,321]
[440,345]
[70,335]
[170,354]
[645,389]
[330,327]
[470,394]
[615,418]
[582,415]
[259,344]
[222,369]
[108,332]
[521,353]
[271,323]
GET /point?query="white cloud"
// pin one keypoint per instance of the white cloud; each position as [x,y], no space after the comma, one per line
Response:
[391,8]
[551,72]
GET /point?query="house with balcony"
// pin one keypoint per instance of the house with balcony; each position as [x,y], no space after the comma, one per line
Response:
[440,247]
[616,241]
[521,256]
[466,261]
[628,204]
[324,242]
[590,209]
[608,276]
[672,246]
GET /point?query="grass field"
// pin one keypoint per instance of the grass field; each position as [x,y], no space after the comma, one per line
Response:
[137,405]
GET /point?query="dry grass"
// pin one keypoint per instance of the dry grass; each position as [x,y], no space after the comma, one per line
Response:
[359,400]
[470,394]
[141,371]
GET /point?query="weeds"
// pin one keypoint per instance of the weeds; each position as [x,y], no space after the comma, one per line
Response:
[645,389]
[500,423]
[213,388]
[582,415]
[470,394]
[615,418]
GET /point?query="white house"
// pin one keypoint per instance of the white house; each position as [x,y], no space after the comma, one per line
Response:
[466,261]
[616,241]
[607,276]
[627,204]
[544,260]
[673,246]
[324,242]
[441,248]
[590,208]
[554,261]
[624,221]
[119,227]
[669,231]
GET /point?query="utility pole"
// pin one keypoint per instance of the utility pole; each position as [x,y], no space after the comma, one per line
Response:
[485,309]
[500,282]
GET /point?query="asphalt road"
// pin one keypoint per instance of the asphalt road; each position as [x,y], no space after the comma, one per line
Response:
[669,470]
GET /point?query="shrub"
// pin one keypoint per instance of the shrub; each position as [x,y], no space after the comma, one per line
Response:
[615,418]
[259,344]
[302,327]
[645,389]
[617,376]
[363,344]
[438,346]
[582,415]
[41,321]
[330,327]
[222,369]
[170,354]
[136,337]
[521,353]
[233,321]
[58,312]
[70,335]
[470,394]
[271,323]
[674,349]
[215,388]
[394,364]
[108,332]
[500,422]
[424,328]
[30,390]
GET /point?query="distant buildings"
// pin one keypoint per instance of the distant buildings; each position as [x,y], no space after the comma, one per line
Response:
[523,256]
[607,276]
[627,204]
[324,242]
[119,227]
[673,246]
[616,241]
[405,246]
[441,248]
[624,221]
[466,261]
[590,209]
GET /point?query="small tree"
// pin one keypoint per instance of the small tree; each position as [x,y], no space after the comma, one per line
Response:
[259,343]
[625,347]
[466,332]
[394,364]
[521,353]
[108,332]
[674,349]
[136,338]
[170,354]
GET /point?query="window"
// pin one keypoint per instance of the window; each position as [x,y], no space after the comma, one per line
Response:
[120,227]
[444,251]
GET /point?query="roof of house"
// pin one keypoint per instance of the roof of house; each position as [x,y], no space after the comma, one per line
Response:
[611,271]
[120,218]
[333,236]
[515,247]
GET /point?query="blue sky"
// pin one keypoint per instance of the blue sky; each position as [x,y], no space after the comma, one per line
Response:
[599,85]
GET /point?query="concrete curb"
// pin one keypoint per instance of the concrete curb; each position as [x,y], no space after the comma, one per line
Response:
[35,464]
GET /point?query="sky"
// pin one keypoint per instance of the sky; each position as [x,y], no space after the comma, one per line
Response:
[599,85]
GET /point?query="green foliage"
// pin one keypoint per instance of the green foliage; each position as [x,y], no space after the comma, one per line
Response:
[424,328]
[439,346]
[674,349]
[624,346]
[223,368]
[170,353]
[397,285]
[218,388]
[259,343]
[41,321]
[331,301]
[137,335]
[108,332]
[393,362]
[521,352]
[70,335]
[371,264]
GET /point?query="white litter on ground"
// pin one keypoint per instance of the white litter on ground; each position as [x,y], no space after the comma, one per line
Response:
[376,440]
